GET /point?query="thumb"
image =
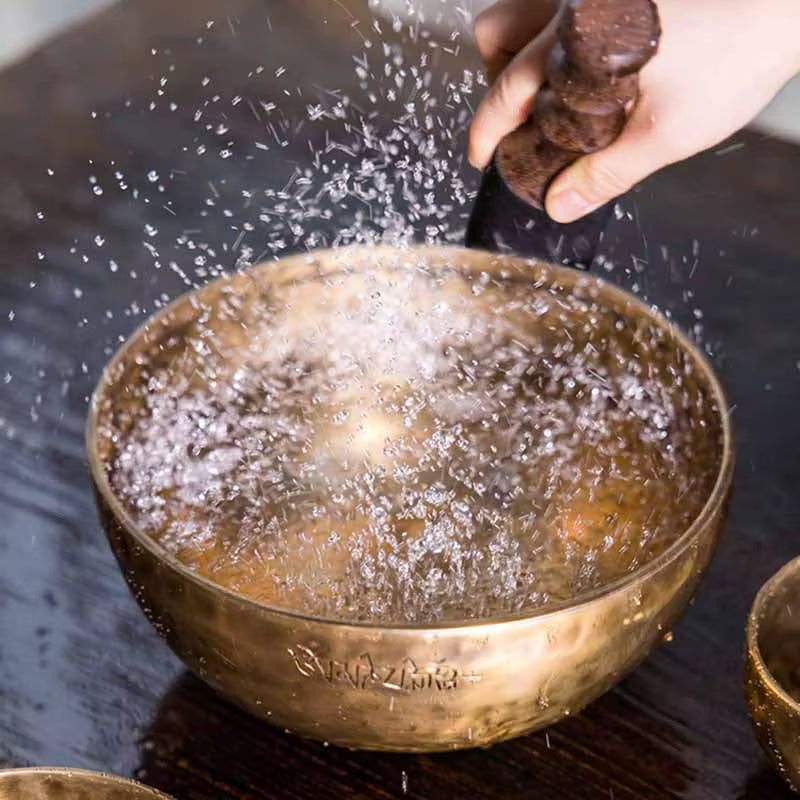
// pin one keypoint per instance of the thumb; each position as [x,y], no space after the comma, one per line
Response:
[597,178]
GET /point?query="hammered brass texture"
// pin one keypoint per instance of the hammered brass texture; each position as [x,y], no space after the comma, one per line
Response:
[773,670]
[45,783]
[404,687]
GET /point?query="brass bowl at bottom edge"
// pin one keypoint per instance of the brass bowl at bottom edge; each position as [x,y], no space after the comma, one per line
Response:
[773,671]
[60,783]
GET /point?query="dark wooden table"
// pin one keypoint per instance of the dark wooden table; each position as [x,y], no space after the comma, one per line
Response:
[84,680]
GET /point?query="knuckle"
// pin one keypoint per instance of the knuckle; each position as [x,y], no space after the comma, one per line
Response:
[483,29]
[605,180]
[647,125]
[511,96]
[667,139]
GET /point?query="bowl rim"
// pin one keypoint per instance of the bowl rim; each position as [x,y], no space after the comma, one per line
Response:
[557,274]
[789,571]
[101,776]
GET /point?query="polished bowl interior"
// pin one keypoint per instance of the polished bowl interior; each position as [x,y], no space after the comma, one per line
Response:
[773,670]
[434,668]
[55,783]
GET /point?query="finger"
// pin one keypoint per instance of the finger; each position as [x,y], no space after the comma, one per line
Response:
[509,101]
[503,29]
[597,178]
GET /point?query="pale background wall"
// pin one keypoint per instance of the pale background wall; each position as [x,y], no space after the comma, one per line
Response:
[24,24]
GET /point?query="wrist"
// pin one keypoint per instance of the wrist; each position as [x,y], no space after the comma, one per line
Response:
[786,21]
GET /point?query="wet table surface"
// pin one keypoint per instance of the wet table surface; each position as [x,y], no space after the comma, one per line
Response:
[84,680]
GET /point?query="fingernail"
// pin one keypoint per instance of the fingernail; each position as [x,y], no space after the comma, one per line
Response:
[568,205]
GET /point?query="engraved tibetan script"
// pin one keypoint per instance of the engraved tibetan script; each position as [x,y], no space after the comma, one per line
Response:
[364,673]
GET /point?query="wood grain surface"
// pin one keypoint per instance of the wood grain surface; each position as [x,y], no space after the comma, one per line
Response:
[84,680]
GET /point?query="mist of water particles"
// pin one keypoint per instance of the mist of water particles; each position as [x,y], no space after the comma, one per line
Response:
[386,446]
[408,446]
[373,150]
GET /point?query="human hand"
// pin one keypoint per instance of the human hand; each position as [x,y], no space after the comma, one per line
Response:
[719,63]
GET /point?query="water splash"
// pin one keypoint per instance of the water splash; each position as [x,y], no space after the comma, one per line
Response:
[405,446]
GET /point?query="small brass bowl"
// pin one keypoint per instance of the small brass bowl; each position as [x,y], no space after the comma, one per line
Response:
[56,783]
[773,670]
[454,682]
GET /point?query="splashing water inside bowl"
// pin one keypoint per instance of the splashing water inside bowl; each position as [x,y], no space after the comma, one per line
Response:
[411,444]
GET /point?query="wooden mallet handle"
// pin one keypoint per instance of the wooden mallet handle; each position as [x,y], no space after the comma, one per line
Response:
[591,80]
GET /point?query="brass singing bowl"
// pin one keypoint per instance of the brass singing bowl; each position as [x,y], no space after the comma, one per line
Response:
[773,670]
[398,686]
[57,783]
